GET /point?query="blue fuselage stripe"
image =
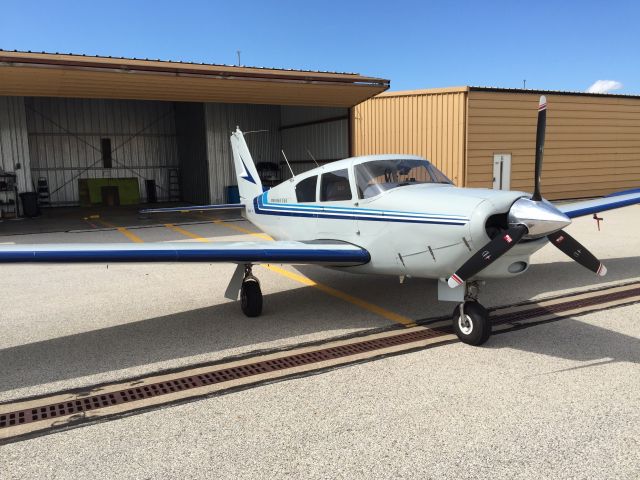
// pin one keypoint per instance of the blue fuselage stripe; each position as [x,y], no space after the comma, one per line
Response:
[263,208]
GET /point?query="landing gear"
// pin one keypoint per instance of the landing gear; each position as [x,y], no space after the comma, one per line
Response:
[471,320]
[250,294]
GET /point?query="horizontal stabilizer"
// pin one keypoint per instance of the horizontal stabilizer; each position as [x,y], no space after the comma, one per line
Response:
[589,207]
[194,208]
[324,253]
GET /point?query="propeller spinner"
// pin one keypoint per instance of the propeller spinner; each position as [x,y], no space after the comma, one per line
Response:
[530,218]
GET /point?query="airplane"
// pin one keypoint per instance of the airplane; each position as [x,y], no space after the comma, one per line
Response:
[379,214]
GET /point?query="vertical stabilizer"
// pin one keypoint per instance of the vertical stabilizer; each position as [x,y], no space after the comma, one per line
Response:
[249,184]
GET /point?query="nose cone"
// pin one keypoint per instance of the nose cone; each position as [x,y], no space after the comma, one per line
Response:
[540,217]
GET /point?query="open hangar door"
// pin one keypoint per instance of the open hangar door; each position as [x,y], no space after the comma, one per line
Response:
[125,152]
[103,152]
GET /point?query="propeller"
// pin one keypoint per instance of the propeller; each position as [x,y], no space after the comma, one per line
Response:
[488,254]
[534,217]
[540,131]
[572,248]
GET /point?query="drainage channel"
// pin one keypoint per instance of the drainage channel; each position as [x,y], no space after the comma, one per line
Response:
[31,417]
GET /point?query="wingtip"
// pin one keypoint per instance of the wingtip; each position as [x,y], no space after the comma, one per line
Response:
[602,270]
[454,281]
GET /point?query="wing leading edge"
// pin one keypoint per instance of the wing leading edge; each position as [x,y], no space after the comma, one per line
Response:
[588,207]
[342,254]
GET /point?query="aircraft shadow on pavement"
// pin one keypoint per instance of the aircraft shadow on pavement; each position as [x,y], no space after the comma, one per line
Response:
[303,311]
[575,339]
[545,279]
[219,328]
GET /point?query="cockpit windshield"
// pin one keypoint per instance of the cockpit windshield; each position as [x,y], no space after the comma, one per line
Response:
[378,176]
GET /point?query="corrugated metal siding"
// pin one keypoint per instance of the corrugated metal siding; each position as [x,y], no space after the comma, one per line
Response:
[327,141]
[592,143]
[221,120]
[14,145]
[192,152]
[428,124]
[64,141]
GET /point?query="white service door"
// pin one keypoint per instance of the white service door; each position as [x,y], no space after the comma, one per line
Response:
[502,171]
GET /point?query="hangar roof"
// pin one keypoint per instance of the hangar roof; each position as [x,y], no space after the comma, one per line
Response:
[432,91]
[80,76]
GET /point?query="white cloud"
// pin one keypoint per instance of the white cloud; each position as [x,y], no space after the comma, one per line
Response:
[604,86]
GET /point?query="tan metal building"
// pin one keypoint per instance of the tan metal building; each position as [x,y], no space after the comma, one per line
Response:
[485,137]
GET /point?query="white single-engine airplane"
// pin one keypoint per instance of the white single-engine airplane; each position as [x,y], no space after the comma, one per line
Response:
[379,214]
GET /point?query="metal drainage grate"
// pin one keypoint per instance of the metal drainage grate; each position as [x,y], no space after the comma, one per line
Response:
[564,306]
[95,402]
[30,415]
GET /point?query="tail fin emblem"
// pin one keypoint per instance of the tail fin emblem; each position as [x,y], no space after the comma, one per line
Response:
[245,172]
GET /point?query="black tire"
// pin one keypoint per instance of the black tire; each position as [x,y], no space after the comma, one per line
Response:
[251,298]
[478,329]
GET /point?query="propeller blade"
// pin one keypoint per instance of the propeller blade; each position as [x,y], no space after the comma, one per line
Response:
[488,254]
[540,130]
[572,248]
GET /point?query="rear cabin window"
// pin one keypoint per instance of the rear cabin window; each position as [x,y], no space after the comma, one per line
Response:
[335,186]
[306,190]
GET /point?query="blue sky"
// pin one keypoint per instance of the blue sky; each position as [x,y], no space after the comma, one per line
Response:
[565,45]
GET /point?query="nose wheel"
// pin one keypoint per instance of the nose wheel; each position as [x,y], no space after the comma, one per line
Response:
[471,322]
[250,295]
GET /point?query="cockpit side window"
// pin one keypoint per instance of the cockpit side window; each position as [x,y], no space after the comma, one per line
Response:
[306,189]
[335,186]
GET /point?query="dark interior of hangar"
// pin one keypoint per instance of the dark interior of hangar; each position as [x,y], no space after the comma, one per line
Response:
[122,152]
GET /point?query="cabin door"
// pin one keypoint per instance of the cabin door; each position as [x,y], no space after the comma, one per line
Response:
[338,217]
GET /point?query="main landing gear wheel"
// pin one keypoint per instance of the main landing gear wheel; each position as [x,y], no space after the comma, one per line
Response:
[251,297]
[474,327]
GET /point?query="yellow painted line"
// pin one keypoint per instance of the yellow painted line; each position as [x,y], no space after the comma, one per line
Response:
[131,236]
[264,236]
[186,233]
[383,312]
[246,231]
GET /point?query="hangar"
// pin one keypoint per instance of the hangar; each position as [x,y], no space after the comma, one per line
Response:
[100,130]
[485,137]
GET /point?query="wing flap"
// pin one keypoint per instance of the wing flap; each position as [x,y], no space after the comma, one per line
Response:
[343,254]
[588,207]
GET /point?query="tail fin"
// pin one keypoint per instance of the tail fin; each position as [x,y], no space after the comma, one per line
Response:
[249,183]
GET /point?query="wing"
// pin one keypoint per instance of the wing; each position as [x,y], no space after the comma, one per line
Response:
[324,253]
[588,207]
[195,208]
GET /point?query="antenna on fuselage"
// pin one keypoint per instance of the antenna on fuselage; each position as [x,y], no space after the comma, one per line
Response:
[254,131]
[312,158]
[288,165]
